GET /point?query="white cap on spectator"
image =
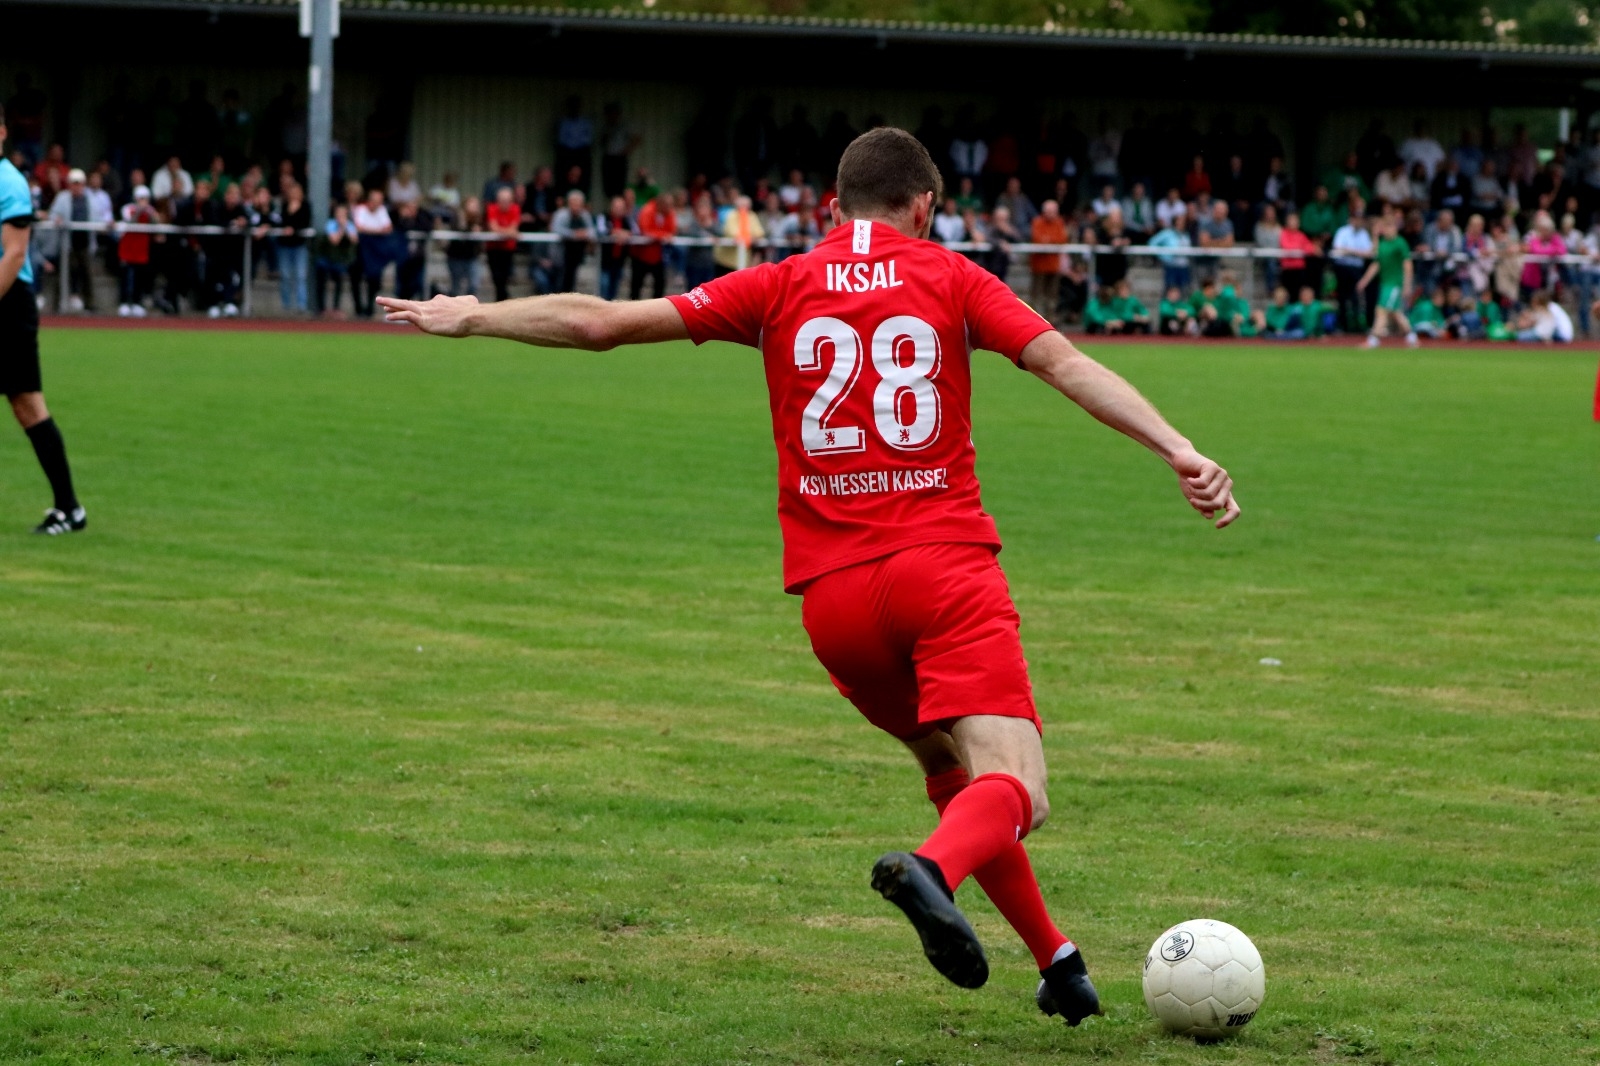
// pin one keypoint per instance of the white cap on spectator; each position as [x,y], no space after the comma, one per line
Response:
[141,192]
[76,175]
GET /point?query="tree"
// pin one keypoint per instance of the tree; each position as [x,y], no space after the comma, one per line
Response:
[1525,21]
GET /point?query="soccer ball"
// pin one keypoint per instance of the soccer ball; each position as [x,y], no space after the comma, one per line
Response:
[1204,979]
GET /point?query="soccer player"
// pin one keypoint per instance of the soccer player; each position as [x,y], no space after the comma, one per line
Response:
[19,349]
[1391,265]
[866,342]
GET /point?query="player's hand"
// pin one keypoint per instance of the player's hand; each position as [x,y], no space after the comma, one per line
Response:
[1206,486]
[443,316]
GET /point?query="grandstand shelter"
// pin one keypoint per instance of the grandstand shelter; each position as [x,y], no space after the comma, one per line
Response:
[462,87]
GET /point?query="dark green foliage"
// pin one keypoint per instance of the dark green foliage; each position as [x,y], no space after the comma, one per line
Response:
[1525,21]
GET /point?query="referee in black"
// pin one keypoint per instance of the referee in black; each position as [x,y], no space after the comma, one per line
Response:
[19,348]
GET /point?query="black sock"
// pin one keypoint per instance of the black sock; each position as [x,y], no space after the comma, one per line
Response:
[52,453]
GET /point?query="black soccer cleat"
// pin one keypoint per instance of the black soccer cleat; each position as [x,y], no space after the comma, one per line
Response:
[918,888]
[1066,990]
[57,522]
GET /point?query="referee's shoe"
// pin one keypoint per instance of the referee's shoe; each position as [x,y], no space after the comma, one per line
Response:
[57,522]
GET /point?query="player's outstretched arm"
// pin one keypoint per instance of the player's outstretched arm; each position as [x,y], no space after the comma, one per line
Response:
[563,320]
[1110,399]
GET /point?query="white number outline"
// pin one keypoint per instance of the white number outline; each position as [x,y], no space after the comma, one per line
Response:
[819,438]
[816,436]
[917,379]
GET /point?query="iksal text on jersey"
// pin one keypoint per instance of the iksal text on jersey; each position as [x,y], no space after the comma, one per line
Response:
[873,481]
[862,277]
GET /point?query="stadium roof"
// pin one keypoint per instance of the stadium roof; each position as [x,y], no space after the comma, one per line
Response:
[885,32]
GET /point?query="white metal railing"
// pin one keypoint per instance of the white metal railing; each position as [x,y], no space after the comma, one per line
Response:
[1089,252]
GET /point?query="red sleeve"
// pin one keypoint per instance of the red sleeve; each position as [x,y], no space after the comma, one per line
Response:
[730,308]
[997,319]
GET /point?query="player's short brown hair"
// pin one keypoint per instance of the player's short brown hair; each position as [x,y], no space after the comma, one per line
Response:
[884,170]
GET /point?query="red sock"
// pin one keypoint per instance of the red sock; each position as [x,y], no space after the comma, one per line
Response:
[983,820]
[1008,881]
[942,788]
[1010,885]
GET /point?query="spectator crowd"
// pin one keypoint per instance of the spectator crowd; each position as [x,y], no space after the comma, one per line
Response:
[1156,215]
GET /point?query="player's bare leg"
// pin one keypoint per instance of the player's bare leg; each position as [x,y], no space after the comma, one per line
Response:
[916,885]
[1008,879]
[28,408]
[1380,328]
[1384,321]
[1400,319]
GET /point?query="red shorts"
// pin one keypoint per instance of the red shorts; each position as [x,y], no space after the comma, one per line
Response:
[921,637]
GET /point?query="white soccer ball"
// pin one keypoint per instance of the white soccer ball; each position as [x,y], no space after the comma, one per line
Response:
[1204,978]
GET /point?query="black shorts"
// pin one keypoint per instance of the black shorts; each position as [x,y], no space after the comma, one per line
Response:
[19,341]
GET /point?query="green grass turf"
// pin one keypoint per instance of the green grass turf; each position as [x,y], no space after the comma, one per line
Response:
[410,701]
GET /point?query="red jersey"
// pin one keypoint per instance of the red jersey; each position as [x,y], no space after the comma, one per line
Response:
[656,222]
[134,248]
[867,341]
[508,216]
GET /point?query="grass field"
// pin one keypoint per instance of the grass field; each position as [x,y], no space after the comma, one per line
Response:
[419,702]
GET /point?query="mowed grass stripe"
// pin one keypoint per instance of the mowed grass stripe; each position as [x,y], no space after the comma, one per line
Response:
[411,701]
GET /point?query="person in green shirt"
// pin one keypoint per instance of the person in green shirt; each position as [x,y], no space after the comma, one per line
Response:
[1311,311]
[1116,310]
[1203,305]
[1320,217]
[1097,315]
[1280,320]
[1346,178]
[1428,315]
[1494,321]
[1391,265]
[644,187]
[1477,317]
[967,199]
[1235,309]
[1177,320]
[1127,308]
[1219,310]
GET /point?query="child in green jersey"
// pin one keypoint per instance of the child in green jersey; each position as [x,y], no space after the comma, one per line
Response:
[1177,320]
[1235,309]
[1097,314]
[1125,306]
[1281,320]
[1391,265]
[1312,312]
[1428,315]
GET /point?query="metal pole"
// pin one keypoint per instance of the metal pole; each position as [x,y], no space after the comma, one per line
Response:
[247,276]
[319,161]
[64,263]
